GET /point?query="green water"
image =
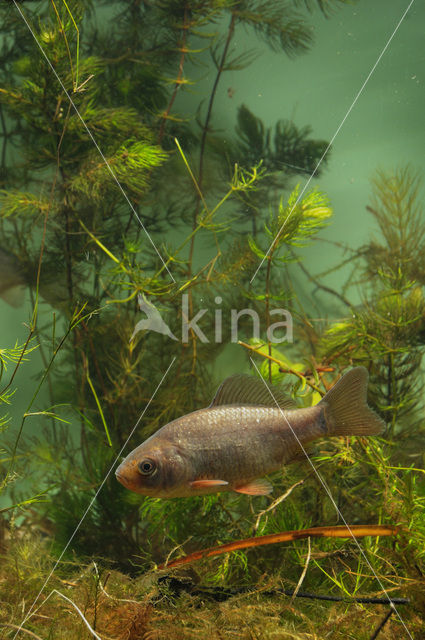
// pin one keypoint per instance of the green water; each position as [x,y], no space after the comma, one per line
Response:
[359,87]
[382,129]
[373,115]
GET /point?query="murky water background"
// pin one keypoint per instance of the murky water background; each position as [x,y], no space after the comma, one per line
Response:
[384,129]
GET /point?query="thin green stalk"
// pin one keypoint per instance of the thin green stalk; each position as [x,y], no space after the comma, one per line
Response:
[75,320]
[194,180]
[62,29]
[282,366]
[102,417]
[267,297]
[267,300]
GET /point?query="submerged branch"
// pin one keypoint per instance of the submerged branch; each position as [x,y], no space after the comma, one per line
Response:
[356,531]
[323,287]
[383,623]
[282,367]
[275,503]
[221,594]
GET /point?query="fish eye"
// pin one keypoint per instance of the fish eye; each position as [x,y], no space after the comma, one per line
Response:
[147,467]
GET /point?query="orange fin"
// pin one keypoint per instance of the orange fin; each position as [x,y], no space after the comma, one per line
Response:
[259,487]
[203,484]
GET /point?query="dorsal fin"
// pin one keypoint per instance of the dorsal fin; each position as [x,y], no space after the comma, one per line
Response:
[247,390]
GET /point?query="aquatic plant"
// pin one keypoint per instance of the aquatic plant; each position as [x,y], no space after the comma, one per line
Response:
[387,327]
[94,250]
[283,153]
[9,356]
[82,248]
[289,226]
[155,605]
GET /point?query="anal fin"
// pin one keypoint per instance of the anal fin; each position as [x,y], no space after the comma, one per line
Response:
[260,487]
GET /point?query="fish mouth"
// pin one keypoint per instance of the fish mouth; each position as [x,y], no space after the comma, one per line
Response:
[121,478]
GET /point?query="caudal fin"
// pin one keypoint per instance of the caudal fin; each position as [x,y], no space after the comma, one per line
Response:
[346,410]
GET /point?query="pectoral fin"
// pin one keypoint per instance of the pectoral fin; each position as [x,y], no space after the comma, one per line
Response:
[259,487]
[210,484]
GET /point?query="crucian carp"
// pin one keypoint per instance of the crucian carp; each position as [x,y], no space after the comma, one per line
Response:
[247,432]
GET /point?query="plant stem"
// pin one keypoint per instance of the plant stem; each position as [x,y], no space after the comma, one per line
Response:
[267,297]
[5,135]
[73,323]
[205,131]
[183,50]
[267,294]
[282,367]
[319,285]
[230,32]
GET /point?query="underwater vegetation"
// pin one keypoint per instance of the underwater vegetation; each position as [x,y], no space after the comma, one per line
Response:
[113,198]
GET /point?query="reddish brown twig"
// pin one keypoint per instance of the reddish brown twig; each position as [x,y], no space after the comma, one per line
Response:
[358,531]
